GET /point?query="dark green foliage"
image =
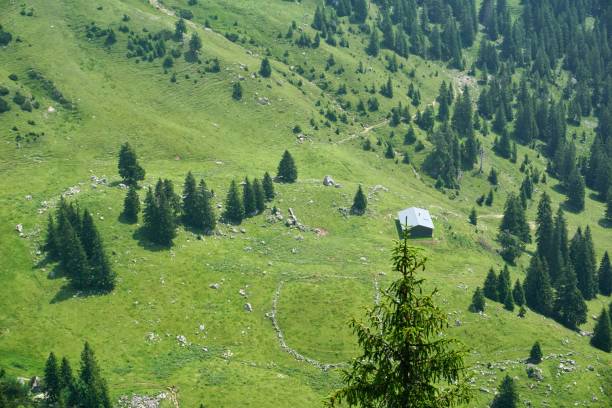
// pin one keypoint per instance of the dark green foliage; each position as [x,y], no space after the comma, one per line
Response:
[489,200]
[514,221]
[490,285]
[131,205]
[404,328]
[360,10]
[100,275]
[360,202]
[189,200]
[52,379]
[13,393]
[265,70]
[602,336]
[538,290]
[462,121]
[91,387]
[205,218]
[518,295]
[66,377]
[503,285]
[545,232]
[4,106]
[560,249]
[5,37]
[535,355]
[570,308]
[473,217]
[179,29]
[509,302]
[373,47]
[195,44]
[237,91]
[605,275]
[129,169]
[444,162]
[507,395]
[260,196]
[390,152]
[576,191]
[287,171]
[159,217]
[493,176]
[478,301]
[234,208]
[581,256]
[52,245]
[248,198]
[268,186]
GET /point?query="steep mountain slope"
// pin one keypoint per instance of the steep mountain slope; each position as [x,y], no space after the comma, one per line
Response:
[316,281]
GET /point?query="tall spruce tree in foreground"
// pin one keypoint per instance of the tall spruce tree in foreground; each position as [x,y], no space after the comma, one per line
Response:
[159,217]
[129,169]
[234,208]
[360,202]
[581,261]
[131,205]
[605,275]
[535,355]
[91,387]
[205,214]
[248,198]
[287,171]
[507,395]
[268,186]
[545,230]
[538,290]
[602,336]
[260,196]
[405,362]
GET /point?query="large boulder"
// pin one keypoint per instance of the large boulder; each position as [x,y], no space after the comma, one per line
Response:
[328,181]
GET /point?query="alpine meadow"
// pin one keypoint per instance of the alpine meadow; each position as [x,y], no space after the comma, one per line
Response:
[305,203]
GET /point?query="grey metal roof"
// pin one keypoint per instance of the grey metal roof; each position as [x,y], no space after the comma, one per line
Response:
[414,216]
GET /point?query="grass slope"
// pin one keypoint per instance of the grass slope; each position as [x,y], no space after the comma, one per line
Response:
[195,125]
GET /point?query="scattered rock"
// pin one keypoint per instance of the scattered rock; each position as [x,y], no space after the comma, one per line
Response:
[214,286]
[182,340]
[534,372]
[328,181]
[262,100]
[19,229]
[248,307]
[242,292]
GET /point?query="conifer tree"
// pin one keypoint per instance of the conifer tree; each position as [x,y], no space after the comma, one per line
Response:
[268,186]
[73,258]
[131,205]
[473,217]
[52,246]
[265,70]
[514,221]
[390,152]
[234,208]
[404,326]
[205,215]
[490,285]
[360,202]
[518,294]
[100,276]
[287,171]
[489,200]
[129,169]
[605,275]
[570,309]
[538,290]
[503,284]
[581,260]
[248,198]
[507,395]
[190,200]
[535,355]
[560,258]
[92,389]
[159,216]
[462,121]
[360,10]
[602,336]
[52,379]
[576,191]
[545,231]
[260,196]
[373,43]
[66,378]
[478,301]
[493,176]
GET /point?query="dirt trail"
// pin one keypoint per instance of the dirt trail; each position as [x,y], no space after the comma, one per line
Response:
[365,131]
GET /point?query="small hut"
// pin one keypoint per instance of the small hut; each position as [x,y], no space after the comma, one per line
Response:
[417,221]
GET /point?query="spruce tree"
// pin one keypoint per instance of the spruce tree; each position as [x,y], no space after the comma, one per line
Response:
[73,258]
[248,198]
[489,200]
[205,214]
[570,309]
[360,10]
[545,231]
[52,379]
[514,221]
[602,336]
[535,355]
[129,169]
[462,120]
[237,91]
[507,395]
[234,208]
[575,191]
[538,290]
[581,261]
[605,275]
[190,216]
[373,43]
[493,176]
[265,70]
[101,275]
[473,217]
[478,301]
[131,205]
[404,325]
[560,258]
[518,294]
[509,302]
[260,196]
[52,246]
[268,186]
[360,202]
[503,284]
[287,171]
[92,389]
[490,285]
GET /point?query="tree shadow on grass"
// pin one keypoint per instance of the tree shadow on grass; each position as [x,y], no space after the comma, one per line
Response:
[67,292]
[604,223]
[140,235]
[124,220]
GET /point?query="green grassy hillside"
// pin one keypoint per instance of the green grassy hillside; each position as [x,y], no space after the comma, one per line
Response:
[319,280]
